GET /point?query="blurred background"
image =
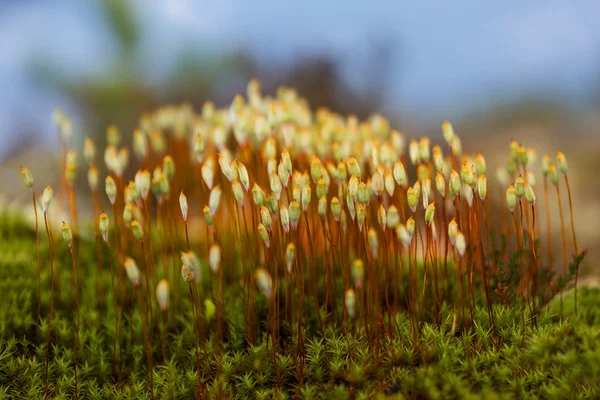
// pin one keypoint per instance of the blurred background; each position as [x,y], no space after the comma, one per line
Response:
[523,70]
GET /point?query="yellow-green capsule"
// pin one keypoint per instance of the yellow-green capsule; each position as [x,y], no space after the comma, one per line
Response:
[392,217]
[460,243]
[373,242]
[243,174]
[284,217]
[456,146]
[133,273]
[286,161]
[480,164]
[283,174]
[264,282]
[452,231]
[143,182]
[454,184]
[353,167]
[522,155]
[467,175]
[27,177]
[183,205]
[361,214]
[169,166]
[47,197]
[561,161]
[322,206]
[438,158]
[353,187]
[214,200]
[67,234]
[429,214]
[128,213]
[113,136]
[316,167]
[467,193]
[350,302]
[448,132]
[357,270]
[552,174]
[514,149]
[511,198]
[364,194]
[440,184]
[400,174]
[546,164]
[389,183]
[294,211]
[519,186]
[424,151]
[214,257]
[265,217]
[377,185]
[89,150]
[482,187]
[137,230]
[209,309]
[413,152]
[162,294]
[306,196]
[341,173]
[258,195]
[404,236]
[111,189]
[412,199]
[70,173]
[140,144]
[238,192]
[207,215]
[103,224]
[191,263]
[93,178]
[208,173]
[321,188]
[529,194]
[410,226]
[382,217]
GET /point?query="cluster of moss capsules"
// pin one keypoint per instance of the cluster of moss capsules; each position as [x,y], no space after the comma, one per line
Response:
[317,211]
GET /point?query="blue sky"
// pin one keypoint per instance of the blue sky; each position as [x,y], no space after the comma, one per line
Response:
[452,56]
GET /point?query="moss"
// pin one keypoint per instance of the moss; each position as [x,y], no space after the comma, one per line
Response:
[558,359]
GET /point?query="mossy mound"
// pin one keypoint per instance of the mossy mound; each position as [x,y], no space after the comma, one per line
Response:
[557,359]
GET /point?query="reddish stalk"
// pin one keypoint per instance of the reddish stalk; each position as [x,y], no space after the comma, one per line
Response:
[574,237]
[564,242]
[119,280]
[39,263]
[98,242]
[49,234]
[78,317]
[147,339]
[112,279]
[548,229]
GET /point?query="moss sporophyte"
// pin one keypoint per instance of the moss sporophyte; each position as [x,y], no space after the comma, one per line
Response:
[265,249]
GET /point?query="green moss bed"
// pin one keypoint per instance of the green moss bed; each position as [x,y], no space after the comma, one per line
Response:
[558,359]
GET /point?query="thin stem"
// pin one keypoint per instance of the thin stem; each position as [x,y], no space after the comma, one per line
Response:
[147,340]
[574,237]
[116,310]
[78,318]
[196,328]
[39,264]
[564,242]
[49,234]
